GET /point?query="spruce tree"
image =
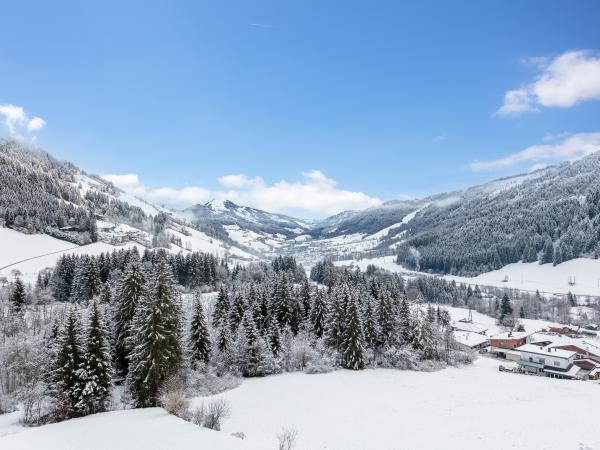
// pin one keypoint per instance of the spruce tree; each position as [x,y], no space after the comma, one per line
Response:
[404,322]
[352,356]
[156,350]
[369,324]
[236,312]
[67,385]
[95,370]
[386,321]
[274,338]
[506,308]
[424,339]
[221,310]
[199,336]
[129,294]
[17,297]
[318,313]
[306,301]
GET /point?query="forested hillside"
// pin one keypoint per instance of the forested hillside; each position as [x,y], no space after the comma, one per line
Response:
[39,194]
[550,216]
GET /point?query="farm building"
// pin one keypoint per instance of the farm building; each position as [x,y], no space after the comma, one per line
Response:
[471,340]
[550,361]
[509,340]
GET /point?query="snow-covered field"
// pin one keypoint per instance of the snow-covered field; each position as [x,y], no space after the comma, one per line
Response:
[142,429]
[15,246]
[30,253]
[523,276]
[456,409]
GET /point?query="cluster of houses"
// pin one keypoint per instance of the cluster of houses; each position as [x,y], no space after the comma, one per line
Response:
[535,353]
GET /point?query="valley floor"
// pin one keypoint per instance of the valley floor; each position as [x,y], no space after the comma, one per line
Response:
[546,278]
[472,407]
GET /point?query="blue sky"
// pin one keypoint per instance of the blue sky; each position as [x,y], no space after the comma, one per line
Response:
[324,105]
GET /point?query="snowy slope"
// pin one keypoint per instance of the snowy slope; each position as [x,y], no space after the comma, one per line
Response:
[18,246]
[474,407]
[140,429]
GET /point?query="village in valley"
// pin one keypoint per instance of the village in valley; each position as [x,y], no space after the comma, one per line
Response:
[534,347]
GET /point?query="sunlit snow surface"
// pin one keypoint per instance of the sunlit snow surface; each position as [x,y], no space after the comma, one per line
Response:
[472,407]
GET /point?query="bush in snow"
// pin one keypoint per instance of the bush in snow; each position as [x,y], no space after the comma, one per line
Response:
[201,383]
[198,414]
[287,438]
[216,411]
[239,434]
[173,398]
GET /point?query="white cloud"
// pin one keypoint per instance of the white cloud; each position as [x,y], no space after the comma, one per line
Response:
[17,121]
[315,195]
[570,148]
[564,81]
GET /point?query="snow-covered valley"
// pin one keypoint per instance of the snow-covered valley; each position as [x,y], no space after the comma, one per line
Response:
[455,409]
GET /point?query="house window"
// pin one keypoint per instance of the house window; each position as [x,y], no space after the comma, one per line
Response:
[556,363]
[541,360]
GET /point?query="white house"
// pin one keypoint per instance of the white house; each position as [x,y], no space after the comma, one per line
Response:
[550,361]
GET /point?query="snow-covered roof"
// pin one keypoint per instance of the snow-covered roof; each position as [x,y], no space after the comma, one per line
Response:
[553,351]
[472,326]
[511,335]
[469,338]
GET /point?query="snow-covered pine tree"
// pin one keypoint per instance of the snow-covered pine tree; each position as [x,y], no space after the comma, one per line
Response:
[106,294]
[404,322]
[296,315]
[369,323]
[506,308]
[386,320]
[281,301]
[129,294]
[274,337]
[352,355]
[95,369]
[237,310]
[220,314]
[424,339]
[318,314]
[66,383]
[306,299]
[156,344]
[17,297]
[199,340]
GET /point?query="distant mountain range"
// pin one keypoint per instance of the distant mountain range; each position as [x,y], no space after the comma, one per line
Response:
[549,215]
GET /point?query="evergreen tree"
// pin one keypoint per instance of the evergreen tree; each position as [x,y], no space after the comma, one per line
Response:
[424,339]
[131,290]
[106,294]
[547,252]
[386,320]
[67,385]
[221,310]
[223,338]
[274,338]
[306,301]
[506,308]
[353,339]
[156,350]
[17,297]
[199,336]
[369,324]
[318,314]
[95,370]
[236,312]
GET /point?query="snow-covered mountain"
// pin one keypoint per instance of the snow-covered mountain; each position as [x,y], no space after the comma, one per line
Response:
[260,231]
[552,215]
[50,207]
